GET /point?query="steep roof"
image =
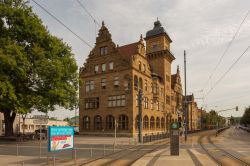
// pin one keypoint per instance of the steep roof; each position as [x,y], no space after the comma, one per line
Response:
[128,50]
[189,97]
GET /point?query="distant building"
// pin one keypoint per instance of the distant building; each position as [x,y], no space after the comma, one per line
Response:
[112,77]
[193,113]
[29,126]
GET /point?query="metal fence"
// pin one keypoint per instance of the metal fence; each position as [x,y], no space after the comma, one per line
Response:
[152,137]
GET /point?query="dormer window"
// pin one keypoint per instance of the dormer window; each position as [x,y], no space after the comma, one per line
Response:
[111,65]
[103,67]
[96,68]
[116,81]
[104,50]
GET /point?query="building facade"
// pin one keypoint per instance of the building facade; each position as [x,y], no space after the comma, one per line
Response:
[112,77]
[28,126]
[193,114]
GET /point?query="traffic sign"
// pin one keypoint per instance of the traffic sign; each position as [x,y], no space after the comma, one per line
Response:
[40,121]
[41,117]
[174,125]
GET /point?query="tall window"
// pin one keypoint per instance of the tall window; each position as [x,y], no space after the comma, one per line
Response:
[96,68]
[155,88]
[116,81]
[139,65]
[144,68]
[136,101]
[140,83]
[161,92]
[151,104]
[116,101]
[162,123]
[135,82]
[152,122]
[111,65]
[157,105]
[146,85]
[104,50]
[157,122]
[103,67]
[146,102]
[103,83]
[89,86]
[86,122]
[123,122]
[162,106]
[145,122]
[98,122]
[92,103]
[110,122]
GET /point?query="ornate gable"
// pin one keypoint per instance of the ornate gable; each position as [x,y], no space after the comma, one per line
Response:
[103,40]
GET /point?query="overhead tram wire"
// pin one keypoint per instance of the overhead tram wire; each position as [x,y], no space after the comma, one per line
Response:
[84,8]
[80,38]
[227,48]
[228,70]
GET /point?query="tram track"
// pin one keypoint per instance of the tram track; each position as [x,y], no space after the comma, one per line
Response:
[127,156]
[221,151]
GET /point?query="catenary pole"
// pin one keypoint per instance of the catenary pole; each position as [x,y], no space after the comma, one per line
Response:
[185,101]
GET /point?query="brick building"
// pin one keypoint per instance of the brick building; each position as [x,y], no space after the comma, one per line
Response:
[112,77]
[193,114]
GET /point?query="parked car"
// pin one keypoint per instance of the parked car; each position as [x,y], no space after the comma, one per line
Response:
[43,134]
[76,130]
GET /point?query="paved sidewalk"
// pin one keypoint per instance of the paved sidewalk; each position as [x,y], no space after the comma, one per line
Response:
[187,157]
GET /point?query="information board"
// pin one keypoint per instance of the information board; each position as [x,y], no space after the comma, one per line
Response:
[60,138]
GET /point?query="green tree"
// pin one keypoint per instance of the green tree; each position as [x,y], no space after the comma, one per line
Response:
[37,70]
[245,120]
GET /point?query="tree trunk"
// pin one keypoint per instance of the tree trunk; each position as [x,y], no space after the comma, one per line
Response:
[9,118]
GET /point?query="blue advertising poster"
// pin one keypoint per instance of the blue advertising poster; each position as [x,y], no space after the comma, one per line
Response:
[60,138]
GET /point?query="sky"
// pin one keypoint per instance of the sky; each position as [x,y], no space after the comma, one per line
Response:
[203,28]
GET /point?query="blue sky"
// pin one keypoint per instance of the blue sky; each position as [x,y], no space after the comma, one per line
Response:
[203,28]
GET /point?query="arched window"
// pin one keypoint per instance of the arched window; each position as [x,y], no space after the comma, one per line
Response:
[163,123]
[86,122]
[152,122]
[123,122]
[110,122]
[136,82]
[140,83]
[157,122]
[145,122]
[98,122]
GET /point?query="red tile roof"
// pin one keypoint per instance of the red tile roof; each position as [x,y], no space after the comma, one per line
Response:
[128,50]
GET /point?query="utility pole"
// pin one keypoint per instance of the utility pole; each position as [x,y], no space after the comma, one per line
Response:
[185,101]
[140,116]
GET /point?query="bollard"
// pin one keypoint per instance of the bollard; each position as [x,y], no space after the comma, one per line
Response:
[54,160]
[91,152]
[104,150]
[17,152]
[40,150]
[22,164]
[47,160]
[75,156]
